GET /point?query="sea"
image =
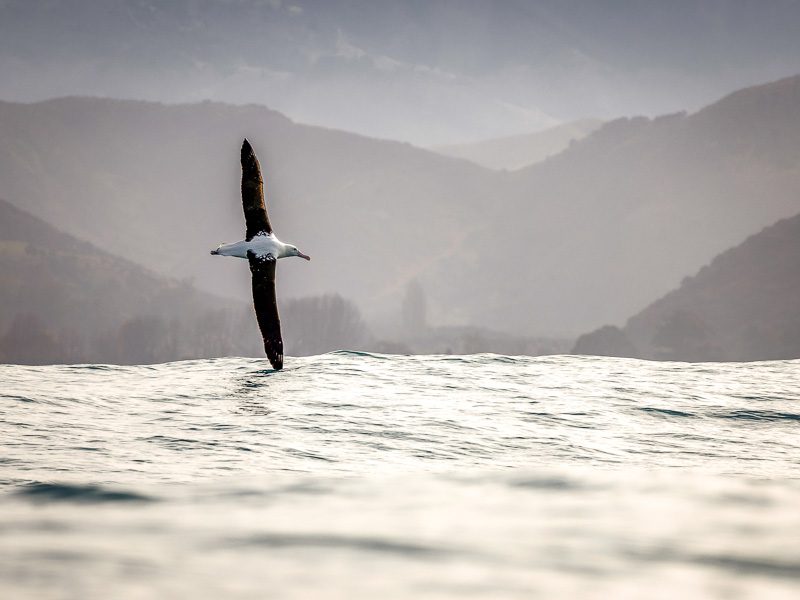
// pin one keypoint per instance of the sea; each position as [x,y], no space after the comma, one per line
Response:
[356,475]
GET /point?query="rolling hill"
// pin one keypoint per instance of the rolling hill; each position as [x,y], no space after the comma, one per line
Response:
[584,238]
[598,232]
[159,185]
[742,306]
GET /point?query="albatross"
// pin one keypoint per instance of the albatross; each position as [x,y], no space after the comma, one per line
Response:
[262,250]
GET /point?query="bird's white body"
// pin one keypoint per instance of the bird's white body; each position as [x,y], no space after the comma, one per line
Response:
[260,245]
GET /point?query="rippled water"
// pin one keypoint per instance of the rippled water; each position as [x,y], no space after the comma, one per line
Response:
[365,476]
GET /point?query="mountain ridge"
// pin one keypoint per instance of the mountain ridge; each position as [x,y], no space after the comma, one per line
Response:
[551,249]
[522,150]
[430,72]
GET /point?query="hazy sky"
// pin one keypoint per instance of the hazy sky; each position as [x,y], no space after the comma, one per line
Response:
[432,71]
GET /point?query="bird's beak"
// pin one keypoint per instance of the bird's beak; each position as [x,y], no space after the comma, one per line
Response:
[301,255]
[215,252]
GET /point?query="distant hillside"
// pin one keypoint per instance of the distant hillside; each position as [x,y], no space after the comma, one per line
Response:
[159,185]
[593,235]
[63,300]
[743,306]
[518,151]
[584,238]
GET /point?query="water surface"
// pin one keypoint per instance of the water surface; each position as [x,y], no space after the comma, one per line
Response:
[355,475]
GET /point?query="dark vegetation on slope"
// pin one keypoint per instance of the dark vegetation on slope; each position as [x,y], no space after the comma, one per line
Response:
[743,306]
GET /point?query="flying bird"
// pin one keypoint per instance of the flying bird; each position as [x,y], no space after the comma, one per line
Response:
[262,250]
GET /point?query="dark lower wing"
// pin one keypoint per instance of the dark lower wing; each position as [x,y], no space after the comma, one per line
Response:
[255,211]
[266,305]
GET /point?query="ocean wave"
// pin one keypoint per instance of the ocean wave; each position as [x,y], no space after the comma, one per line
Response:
[84,494]
[337,542]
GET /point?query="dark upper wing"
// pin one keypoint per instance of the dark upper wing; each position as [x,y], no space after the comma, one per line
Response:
[266,304]
[255,212]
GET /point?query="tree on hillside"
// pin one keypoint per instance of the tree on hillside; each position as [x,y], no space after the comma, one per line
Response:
[684,335]
[414,309]
[30,341]
[608,340]
[320,324]
[145,340]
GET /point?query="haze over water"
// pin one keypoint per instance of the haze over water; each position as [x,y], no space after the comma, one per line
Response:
[357,475]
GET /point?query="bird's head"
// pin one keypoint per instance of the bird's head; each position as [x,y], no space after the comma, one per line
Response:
[293,251]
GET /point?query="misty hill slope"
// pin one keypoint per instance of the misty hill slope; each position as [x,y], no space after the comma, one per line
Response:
[63,300]
[518,151]
[743,306]
[160,185]
[584,238]
[622,216]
